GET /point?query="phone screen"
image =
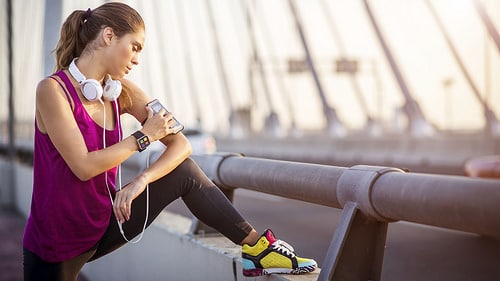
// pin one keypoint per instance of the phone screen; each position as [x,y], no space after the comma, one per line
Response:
[156,106]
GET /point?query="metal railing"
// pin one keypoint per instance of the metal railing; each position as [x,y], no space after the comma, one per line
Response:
[371,197]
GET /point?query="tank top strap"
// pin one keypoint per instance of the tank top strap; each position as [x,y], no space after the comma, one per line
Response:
[62,86]
[72,91]
[69,86]
[77,103]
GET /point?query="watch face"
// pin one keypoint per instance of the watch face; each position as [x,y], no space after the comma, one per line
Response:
[143,142]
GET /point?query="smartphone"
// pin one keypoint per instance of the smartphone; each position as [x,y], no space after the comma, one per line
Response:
[156,106]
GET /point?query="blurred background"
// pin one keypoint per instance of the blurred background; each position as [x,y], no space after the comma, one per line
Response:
[411,84]
[283,67]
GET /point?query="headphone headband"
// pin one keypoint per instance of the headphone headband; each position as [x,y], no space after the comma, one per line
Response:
[75,72]
[92,89]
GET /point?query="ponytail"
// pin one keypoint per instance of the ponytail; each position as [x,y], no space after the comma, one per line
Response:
[70,44]
[82,27]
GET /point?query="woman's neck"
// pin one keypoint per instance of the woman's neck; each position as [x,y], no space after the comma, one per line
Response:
[90,68]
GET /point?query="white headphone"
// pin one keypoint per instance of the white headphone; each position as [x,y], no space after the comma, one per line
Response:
[92,89]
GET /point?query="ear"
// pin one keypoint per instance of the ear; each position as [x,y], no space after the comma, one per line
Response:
[107,35]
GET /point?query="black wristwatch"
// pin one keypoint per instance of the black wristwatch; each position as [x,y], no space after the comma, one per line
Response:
[142,140]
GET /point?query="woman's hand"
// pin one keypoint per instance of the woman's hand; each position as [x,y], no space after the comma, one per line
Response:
[157,126]
[122,206]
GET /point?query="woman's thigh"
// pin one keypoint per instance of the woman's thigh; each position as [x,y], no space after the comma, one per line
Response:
[36,269]
[205,200]
[161,193]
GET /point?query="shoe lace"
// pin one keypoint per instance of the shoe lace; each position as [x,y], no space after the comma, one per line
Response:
[284,248]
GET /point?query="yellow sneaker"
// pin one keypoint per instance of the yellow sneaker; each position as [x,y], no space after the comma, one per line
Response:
[270,255]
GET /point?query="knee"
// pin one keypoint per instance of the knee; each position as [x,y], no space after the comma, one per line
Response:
[186,173]
[188,167]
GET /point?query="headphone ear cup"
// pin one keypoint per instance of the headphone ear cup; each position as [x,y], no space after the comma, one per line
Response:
[112,89]
[91,89]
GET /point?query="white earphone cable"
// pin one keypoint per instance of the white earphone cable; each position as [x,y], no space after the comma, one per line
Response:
[147,214]
[75,72]
[119,183]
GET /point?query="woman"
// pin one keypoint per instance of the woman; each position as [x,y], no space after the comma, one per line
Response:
[76,214]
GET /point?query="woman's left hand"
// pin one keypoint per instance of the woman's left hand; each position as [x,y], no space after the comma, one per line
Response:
[122,206]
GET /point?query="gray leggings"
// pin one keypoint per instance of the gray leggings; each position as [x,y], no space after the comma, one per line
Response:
[201,196]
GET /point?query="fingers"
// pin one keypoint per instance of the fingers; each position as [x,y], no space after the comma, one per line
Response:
[122,207]
[167,123]
[159,125]
[170,120]
[149,111]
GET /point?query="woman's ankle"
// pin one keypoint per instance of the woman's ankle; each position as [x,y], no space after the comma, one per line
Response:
[251,238]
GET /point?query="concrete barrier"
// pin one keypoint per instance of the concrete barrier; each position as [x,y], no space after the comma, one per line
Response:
[168,252]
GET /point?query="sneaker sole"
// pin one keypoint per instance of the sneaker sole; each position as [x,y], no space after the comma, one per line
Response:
[259,271]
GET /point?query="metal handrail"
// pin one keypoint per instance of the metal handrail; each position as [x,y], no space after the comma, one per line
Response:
[454,202]
[371,197]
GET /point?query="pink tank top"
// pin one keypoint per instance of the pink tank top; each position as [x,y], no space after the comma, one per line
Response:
[68,216]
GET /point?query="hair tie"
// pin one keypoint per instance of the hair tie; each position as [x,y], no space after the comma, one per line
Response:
[87,14]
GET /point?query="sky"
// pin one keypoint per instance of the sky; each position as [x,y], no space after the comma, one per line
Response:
[180,47]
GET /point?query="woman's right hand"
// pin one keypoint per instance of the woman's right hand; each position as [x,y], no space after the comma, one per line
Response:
[122,205]
[157,126]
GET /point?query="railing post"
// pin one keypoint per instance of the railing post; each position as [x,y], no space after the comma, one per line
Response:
[356,252]
[357,248]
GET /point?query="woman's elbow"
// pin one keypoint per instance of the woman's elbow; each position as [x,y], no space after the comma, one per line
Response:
[188,149]
[83,176]
[82,173]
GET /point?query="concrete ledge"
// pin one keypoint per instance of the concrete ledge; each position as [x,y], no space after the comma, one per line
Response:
[168,252]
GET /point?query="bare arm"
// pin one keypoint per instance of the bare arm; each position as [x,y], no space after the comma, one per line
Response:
[178,149]
[55,117]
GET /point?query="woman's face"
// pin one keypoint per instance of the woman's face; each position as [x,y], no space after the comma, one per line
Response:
[123,53]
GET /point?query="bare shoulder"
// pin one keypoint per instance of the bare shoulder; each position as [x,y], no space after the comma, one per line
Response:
[47,91]
[47,86]
[51,103]
[134,92]
[138,99]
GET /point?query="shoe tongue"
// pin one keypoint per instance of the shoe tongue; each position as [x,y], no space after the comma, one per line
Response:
[270,236]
